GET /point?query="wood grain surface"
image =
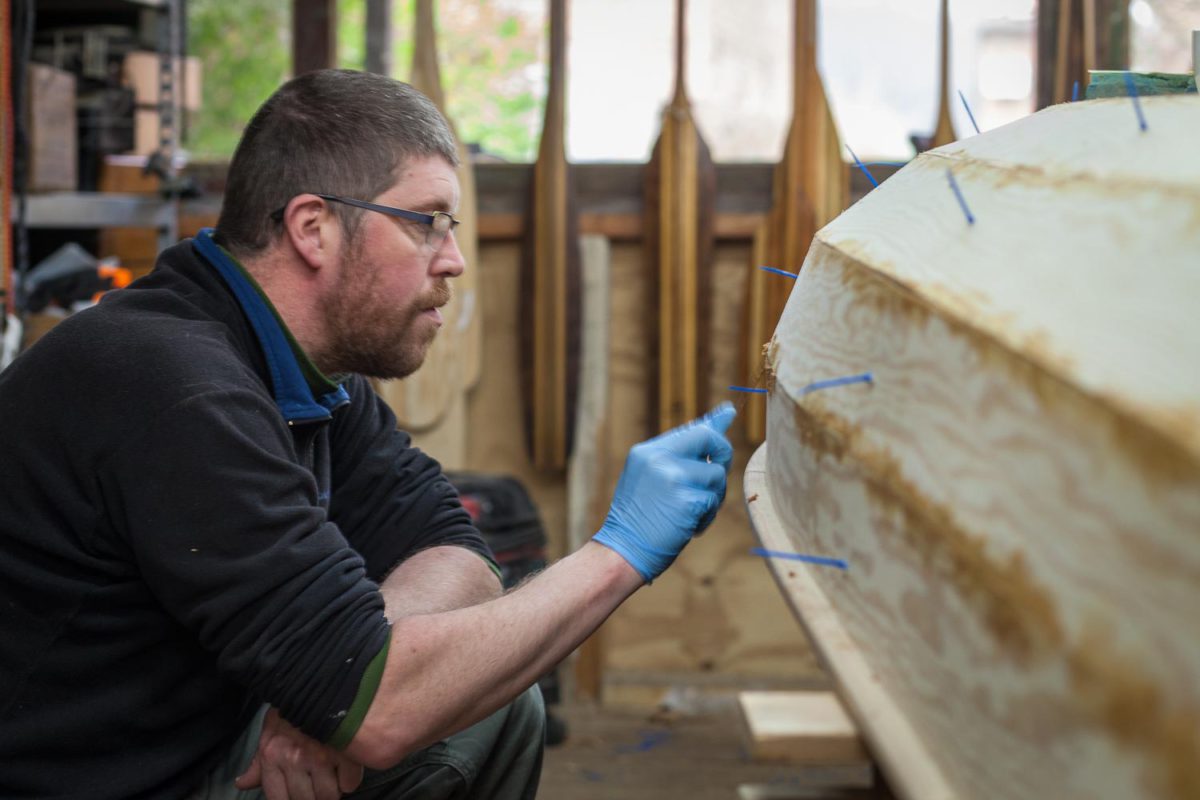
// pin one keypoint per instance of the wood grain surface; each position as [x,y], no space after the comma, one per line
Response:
[800,728]
[1017,492]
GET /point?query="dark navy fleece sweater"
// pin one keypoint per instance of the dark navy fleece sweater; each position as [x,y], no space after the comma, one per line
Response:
[193,522]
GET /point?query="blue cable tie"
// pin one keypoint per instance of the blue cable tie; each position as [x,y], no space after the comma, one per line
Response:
[832,382]
[823,561]
[748,389]
[962,201]
[784,273]
[963,97]
[863,167]
[1137,104]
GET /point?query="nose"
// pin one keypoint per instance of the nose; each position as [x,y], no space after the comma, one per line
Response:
[449,261]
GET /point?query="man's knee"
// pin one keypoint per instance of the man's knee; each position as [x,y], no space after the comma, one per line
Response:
[527,715]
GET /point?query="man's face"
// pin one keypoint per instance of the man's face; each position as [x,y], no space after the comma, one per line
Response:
[383,314]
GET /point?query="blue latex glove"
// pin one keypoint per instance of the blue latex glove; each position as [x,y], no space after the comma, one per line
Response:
[670,490]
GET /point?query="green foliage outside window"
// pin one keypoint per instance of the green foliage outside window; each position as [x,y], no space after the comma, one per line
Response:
[492,67]
[246,50]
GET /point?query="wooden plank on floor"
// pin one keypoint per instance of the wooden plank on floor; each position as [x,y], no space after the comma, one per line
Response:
[800,728]
[786,791]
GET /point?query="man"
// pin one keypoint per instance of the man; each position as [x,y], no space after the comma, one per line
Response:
[218,558]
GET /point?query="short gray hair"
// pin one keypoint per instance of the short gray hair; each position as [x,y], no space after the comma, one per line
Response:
[331,131]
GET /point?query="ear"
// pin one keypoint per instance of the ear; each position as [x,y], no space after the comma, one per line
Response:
[312,229]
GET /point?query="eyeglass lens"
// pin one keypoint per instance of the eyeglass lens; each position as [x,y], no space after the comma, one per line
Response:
[439,228]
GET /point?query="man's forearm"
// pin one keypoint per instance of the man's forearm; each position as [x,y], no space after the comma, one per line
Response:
[449,670]
[439,579]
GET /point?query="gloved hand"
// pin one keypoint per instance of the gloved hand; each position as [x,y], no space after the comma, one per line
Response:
[670,490]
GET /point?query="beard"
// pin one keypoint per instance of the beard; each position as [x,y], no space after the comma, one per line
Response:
[371,337]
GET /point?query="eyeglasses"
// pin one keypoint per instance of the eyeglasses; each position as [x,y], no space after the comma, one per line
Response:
[439,223]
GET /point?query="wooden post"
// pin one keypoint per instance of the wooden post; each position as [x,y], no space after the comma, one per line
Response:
[1075,36]
[379,36]
[1063,44]
[314,35]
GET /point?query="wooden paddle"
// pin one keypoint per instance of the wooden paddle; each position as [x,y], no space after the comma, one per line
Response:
[469,324]
[811,187]
[680,186]
[943,132]
[422,401]
[791,221]
[550,275]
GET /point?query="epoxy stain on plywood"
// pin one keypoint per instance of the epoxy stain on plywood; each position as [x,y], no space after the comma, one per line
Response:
[1110,689]
[1018,613]
[1162,460]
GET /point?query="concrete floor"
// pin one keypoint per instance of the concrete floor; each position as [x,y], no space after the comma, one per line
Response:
[633,755]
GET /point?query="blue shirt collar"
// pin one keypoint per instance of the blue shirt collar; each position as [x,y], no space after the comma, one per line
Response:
[294,396]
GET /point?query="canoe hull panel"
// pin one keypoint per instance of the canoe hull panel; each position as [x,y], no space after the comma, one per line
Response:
[1024,559]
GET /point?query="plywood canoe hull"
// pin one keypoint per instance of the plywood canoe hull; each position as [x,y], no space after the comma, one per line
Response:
[1017,492]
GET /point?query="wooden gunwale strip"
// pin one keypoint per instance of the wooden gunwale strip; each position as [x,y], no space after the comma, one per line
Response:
[911,769]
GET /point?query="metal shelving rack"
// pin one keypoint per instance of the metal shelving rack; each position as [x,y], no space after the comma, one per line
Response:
[102,209]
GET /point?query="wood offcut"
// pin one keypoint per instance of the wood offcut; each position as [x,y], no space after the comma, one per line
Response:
[799,728]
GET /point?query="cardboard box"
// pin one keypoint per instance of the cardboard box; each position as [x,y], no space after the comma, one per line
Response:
[140,73]
[145,131]
[135,248]
[53,135]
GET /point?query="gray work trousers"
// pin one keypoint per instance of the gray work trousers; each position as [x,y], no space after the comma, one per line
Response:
[499,758]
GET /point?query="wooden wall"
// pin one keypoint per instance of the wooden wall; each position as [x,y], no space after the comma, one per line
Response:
[715,620]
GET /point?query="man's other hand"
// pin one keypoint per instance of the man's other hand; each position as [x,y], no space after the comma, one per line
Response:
[670,490]
[292,766]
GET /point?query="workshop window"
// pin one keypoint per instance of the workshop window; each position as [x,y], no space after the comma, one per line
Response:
[878,59]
